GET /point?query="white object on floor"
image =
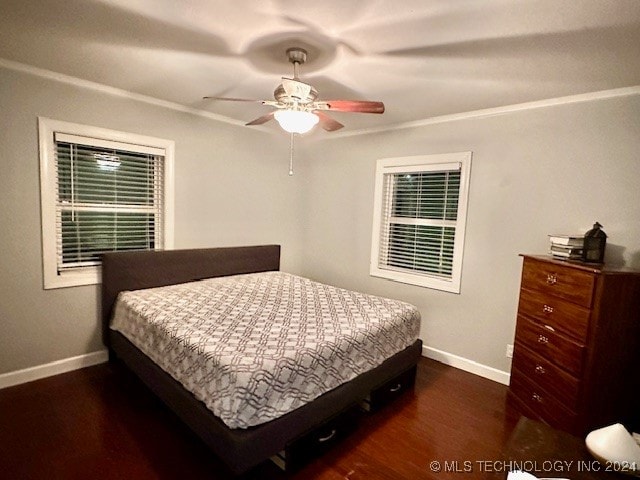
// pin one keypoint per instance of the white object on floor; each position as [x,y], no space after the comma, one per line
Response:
[520,475]
[614,444]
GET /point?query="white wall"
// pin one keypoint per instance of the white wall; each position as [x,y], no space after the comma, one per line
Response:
[534,172]
[231,188]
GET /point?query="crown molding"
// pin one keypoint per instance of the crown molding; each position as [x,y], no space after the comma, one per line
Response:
[118,92]
[490,112]
[487,112]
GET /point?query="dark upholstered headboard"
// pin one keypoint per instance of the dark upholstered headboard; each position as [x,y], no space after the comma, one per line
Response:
[147,269]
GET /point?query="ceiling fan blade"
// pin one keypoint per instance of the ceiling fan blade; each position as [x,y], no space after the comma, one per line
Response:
[261,120]
[295,88]
[358,106]
[232,99]
[328,123]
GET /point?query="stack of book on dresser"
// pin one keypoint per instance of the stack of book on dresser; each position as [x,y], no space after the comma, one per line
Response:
[567,247]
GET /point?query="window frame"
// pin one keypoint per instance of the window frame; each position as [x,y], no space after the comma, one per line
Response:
[47,129]
[413,164]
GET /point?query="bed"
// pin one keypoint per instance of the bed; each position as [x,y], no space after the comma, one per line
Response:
[287,435]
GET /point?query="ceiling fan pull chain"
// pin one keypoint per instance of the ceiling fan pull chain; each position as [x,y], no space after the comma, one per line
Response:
[291,155]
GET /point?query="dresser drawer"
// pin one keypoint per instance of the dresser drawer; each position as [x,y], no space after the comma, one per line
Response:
[552,345]
[556,313]
[543,405]
[566,282]
[547,376]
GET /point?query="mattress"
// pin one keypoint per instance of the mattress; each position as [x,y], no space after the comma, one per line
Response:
[257,346]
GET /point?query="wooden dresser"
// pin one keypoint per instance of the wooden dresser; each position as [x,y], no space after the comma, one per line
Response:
[576,360]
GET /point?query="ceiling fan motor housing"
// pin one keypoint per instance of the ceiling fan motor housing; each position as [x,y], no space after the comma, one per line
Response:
[281,95]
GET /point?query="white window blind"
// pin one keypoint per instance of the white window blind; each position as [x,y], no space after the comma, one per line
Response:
[419,222]
[421,211]
[109,198]
[102,190]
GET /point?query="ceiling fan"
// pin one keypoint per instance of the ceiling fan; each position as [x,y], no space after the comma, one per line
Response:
[297,108]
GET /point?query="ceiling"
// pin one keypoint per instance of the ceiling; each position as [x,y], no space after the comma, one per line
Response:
[422,58]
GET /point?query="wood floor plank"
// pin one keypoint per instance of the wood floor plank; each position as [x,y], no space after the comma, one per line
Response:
[102,423]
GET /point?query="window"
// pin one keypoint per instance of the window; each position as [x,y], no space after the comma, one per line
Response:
[419,218]
[101,191]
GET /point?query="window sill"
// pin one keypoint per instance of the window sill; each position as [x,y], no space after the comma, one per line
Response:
[87,276]
[444,285]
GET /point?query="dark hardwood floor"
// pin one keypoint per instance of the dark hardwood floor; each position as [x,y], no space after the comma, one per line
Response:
[101,423]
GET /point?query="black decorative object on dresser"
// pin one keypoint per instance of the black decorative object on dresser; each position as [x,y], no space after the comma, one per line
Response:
[577,344]
[595,241]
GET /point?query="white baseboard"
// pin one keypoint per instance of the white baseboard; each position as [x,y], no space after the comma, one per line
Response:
[466,365]
[68,364]
[54,368]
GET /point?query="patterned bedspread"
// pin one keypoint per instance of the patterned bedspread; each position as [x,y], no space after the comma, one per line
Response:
[254,347]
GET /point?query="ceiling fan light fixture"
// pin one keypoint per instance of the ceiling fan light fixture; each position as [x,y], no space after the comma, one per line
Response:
[296,121]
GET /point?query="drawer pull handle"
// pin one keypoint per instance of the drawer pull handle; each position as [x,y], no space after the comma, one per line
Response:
[543,339]
[540,369]
[548,309]
[396,388]
[537,398]
[552,278]
[328,437]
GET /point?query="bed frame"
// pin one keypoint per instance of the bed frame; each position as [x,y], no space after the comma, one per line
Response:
[240,449]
